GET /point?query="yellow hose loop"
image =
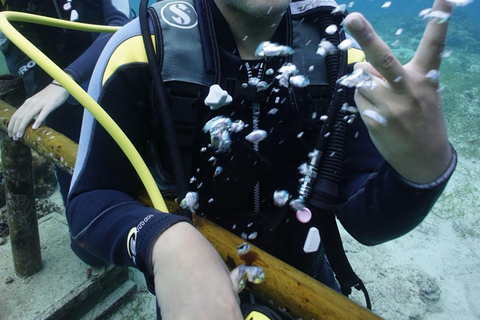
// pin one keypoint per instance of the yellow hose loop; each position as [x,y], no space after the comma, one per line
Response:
[77,92]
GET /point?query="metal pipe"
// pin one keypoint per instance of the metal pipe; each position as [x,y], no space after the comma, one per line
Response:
[19,190]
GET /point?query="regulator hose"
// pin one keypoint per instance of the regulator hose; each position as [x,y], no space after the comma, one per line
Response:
[77,92]
[335,127]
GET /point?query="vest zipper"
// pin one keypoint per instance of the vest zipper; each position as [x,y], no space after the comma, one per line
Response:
[255,122]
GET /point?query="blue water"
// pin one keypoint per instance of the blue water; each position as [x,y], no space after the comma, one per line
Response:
[135,4]
[410,7]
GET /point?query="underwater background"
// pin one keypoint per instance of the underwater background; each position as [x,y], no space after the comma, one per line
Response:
[432,273]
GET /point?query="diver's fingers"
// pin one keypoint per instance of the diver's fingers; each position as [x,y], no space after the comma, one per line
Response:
[20,113]
[22,124]
[41,117]
[428,55]
[11,125]
[15,121]
[22,117]
[377,52]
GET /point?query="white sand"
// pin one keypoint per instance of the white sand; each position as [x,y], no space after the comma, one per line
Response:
[434,271]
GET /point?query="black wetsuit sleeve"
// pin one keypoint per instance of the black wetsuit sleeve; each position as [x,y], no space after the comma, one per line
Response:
[117,14]
[102,210]
[377,204]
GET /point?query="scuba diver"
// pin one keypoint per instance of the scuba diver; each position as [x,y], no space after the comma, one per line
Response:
[74,51]
[263,117]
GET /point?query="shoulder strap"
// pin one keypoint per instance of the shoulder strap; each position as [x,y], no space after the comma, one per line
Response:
[181,45]
[181,62]
[184,77]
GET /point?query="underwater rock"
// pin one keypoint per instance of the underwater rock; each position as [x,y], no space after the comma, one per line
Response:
[429,289]
[47,206]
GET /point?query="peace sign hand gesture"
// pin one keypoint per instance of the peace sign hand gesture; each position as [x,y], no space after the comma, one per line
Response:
[411,135]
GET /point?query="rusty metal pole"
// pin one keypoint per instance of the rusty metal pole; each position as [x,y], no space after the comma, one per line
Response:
[19,190]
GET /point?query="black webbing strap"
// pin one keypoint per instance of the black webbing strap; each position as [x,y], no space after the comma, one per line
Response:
[183,99]
[335,252]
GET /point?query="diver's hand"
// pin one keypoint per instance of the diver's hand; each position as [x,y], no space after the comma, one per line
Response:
[413,139]
[191,280]
[40,105]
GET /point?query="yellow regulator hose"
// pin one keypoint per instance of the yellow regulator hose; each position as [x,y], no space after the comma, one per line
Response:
[77,92]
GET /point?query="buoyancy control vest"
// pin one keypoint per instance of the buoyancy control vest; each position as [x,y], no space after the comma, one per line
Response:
[188,74]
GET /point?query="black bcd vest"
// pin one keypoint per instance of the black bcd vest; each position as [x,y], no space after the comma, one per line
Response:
[187,75]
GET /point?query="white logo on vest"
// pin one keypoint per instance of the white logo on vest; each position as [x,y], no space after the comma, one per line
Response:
[180,14]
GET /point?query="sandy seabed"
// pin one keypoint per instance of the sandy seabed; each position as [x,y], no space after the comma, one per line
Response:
[433,272]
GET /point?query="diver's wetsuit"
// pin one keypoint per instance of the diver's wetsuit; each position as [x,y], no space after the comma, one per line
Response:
[377,203]
[74,51]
